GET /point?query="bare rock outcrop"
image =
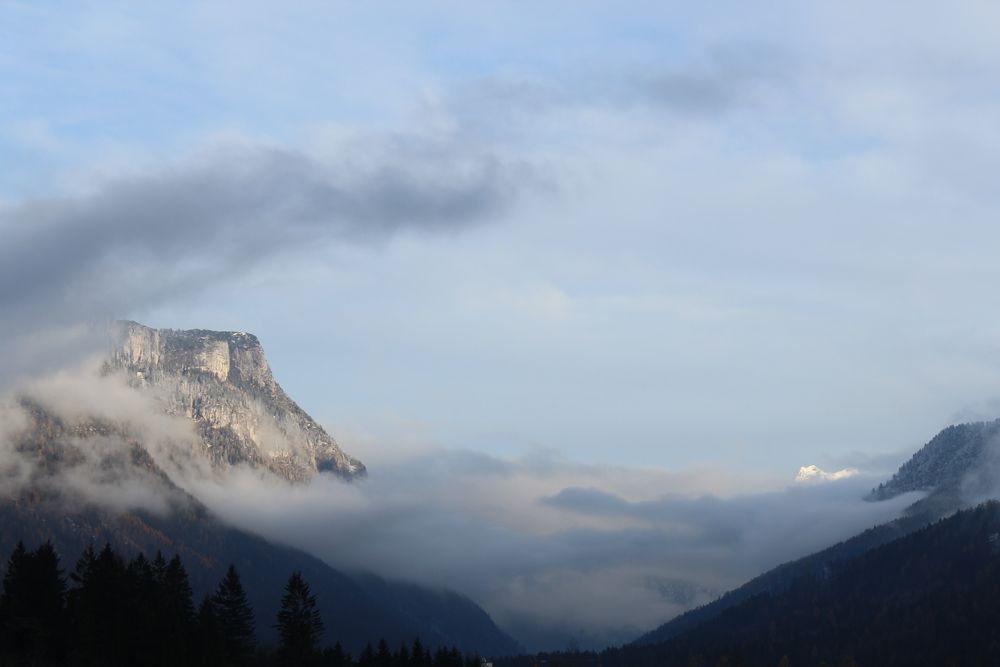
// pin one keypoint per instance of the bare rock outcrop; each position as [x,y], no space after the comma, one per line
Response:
[221,380]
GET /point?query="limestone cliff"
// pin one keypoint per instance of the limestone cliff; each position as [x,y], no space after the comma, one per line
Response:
[221,380]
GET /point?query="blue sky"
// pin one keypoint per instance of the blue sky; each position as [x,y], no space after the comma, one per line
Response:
[649,234]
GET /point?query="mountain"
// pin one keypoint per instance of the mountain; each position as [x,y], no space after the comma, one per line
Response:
[780,578]
[222,382]
[929,598]
[955,469]
[104,458]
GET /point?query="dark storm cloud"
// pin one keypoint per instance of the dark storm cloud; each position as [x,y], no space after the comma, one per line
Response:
[143,239]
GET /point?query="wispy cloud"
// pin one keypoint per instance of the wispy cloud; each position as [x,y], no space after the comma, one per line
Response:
[721,80]
[147,238]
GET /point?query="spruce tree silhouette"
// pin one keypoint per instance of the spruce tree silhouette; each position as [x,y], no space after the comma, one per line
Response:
[235,618]
[32,606]
[208,647]
[419,656]
[141,591]
[15,591]
[174,610]
[299,623]
[367,657]
[336,656]
[99,606]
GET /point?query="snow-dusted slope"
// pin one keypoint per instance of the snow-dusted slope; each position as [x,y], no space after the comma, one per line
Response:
[961,459]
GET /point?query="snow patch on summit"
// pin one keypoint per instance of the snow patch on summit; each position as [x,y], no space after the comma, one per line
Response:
[812,474]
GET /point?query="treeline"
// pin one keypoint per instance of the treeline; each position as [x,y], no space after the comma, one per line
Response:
[110,611]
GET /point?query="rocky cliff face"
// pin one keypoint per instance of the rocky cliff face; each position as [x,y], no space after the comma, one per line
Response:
[222,382]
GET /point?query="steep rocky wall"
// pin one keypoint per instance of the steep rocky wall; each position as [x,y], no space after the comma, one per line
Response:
[222,381]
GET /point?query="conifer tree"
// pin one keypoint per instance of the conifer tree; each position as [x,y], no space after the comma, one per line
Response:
[403,656]
[383,656]
[32,605]
[14,589]
[299,623]
[174,609]
[336,656]
[208,647]
[367,657]
[177,594]
[235,618]
[159,566]
[419,656]
[102,622]
[139,604]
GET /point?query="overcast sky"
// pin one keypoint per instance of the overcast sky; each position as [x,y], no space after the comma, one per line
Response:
[649,234]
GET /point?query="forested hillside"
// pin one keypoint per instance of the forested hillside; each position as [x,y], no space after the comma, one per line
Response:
[929,598]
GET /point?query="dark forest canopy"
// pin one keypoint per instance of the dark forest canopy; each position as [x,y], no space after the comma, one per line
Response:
[109,611]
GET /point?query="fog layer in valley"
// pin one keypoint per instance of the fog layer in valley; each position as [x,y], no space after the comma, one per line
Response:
[559,553]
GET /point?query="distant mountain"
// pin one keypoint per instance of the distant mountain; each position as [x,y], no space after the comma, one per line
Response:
[955,469]
[812,474]
[73,475]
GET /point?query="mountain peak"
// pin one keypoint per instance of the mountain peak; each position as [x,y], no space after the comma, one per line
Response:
[222,381]
[217,352]
[957,466]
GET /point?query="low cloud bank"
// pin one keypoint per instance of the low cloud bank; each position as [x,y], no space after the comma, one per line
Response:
[560,553]
[814,474]
[97,420]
